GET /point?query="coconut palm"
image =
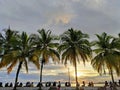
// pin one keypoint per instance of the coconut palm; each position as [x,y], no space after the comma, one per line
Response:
[20,54]
[106,55]
[74,47]
[117,45]
[7,39]
[46,48]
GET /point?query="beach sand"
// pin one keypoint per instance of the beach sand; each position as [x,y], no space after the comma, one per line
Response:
[62,88]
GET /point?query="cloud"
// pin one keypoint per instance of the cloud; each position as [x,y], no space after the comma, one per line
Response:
[89,16]
[37,14]
[94,4]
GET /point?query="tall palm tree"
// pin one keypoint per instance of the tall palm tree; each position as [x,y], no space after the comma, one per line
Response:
[7,38]
[74,48]
[46,46]
[117,46]
[106,55]
[21,51]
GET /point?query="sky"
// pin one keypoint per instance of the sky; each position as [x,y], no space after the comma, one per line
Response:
[89,16]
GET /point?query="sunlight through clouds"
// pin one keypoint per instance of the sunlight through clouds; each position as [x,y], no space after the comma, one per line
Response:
[65,19]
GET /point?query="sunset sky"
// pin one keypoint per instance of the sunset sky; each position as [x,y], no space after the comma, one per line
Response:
[89,16]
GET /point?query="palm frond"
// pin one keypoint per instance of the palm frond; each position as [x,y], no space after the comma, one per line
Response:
[35,59]
[9,69]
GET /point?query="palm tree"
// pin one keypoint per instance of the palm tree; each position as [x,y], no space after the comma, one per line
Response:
[74,47]
[7,38]
[21,50]
[46,48]
[106,55]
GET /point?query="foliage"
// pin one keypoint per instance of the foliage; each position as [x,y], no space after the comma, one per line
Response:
[107,54]
[74,47]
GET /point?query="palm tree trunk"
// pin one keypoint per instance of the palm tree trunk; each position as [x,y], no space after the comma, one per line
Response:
[112,77]
[16,79]
[76,75]
[41,74]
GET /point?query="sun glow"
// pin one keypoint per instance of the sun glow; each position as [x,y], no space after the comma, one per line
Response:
[79,74]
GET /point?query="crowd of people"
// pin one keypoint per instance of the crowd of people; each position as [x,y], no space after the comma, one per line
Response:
[6,84]
[47,84]
[110,84]
[28,84]
[57,85]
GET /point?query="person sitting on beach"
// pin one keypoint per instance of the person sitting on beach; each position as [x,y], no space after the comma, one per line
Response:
[83,85]
[48,84]
[53,87]
[31,84]
[21,84]
[11,85]
[115,83]
[67,84]
[1,84]
[6,84]
[39,84]
[106,84]
[89,84]
[59,85]
[17,84]
[111,84]
[92,84]
[28,84]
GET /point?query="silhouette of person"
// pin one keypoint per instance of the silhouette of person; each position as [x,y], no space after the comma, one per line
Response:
[6,84]
[59,85]
[11,85]
[1,84]
[53,87]
[83,85]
